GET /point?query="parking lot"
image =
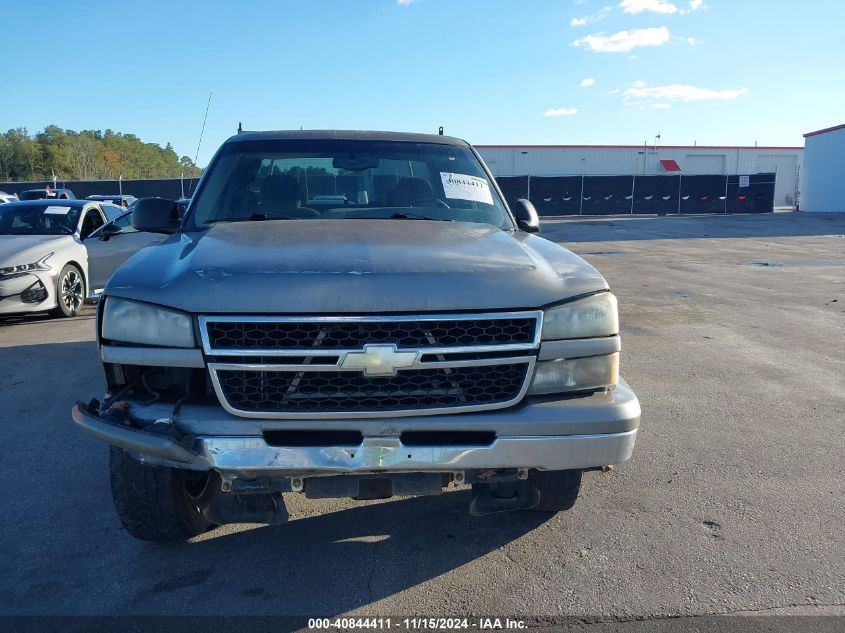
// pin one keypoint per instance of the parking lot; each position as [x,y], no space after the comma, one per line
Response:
[734,340]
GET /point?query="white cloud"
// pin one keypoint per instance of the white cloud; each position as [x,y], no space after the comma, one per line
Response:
[624,41]
[693,41]
[405,3]
[695,5]
[560,112]
[679,92]
[591,18]
[654,6]
[661,106]
[586,83]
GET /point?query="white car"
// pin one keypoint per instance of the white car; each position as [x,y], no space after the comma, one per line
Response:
[7,197]
[55,254]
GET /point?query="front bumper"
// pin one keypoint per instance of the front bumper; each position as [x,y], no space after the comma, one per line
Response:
[549,435]
[13,293]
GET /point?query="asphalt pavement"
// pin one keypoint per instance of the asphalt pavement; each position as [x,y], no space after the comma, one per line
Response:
[734,340]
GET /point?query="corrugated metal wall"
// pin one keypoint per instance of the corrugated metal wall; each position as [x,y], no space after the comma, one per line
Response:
[825,184]
[630,160]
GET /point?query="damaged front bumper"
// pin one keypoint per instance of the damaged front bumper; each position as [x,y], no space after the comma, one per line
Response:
[516,444]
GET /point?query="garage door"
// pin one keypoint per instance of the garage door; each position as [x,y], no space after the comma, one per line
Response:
[709,164]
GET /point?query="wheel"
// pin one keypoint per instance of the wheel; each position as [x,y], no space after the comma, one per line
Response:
[157,503]
[70,291]
[558,489]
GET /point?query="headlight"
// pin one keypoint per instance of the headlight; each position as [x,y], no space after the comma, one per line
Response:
[41,264]
[575,374]
[595,315]
[146,324]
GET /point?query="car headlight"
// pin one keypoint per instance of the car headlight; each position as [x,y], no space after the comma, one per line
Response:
[575,374]
[41,264]
[146,324]
[596,315]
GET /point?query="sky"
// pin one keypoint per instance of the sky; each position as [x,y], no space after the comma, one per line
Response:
[711,72]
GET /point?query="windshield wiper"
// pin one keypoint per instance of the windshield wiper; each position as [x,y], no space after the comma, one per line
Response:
[255,217]
[416,216]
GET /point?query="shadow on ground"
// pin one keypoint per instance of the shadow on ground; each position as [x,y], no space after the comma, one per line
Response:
[332,563]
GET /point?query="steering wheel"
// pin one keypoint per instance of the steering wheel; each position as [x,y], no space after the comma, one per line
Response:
[437,203]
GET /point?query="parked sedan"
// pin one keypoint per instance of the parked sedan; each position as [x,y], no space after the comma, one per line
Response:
[47,193]
[55,254]
[7,197]
[116,199]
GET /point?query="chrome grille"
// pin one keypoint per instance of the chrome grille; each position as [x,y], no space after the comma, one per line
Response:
[310,367]
[227,334]
[328,391]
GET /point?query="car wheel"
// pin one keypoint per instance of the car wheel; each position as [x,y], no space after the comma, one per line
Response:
[558,489]
[157,503]
[70,291]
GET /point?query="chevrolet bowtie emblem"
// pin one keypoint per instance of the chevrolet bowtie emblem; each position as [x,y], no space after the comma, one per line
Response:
[379,360]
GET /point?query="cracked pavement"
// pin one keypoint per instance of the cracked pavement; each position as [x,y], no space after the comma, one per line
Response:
[732,503]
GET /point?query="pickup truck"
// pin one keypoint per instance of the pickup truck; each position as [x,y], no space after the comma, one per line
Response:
[420,339]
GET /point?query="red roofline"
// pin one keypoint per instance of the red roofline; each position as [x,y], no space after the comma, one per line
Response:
[826,130]
[633,147]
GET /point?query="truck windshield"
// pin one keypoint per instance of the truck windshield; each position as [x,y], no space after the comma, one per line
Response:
[345,179]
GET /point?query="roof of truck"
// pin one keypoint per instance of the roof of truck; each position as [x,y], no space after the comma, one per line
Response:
[345,135]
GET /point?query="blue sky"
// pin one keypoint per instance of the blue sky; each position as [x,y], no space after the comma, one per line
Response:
[490,71]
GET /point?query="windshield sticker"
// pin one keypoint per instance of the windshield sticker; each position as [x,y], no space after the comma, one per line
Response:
[56,210]
[464,187]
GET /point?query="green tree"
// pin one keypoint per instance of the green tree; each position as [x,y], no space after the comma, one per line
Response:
[87,155]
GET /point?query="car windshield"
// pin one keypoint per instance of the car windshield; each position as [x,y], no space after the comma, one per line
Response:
[38,219]
[345,179]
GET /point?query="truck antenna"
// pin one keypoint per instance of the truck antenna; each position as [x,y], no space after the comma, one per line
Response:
[440,131]
[240,127]
[202,131]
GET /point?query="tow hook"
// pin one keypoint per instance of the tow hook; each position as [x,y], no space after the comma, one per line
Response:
[503,496]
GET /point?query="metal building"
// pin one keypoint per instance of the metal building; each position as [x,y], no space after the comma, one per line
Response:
[824,170]
[626,160]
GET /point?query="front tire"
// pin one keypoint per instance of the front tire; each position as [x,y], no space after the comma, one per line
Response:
[157,503]
[70,291]
[558,489]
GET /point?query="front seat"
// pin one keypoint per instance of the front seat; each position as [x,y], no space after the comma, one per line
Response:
[280,197]
[409,190]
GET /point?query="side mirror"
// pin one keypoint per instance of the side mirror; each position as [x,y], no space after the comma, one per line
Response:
[526,216]
[108,230]
[155,215]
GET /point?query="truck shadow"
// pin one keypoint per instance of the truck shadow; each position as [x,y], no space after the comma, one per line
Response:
[72,556]
[335,562]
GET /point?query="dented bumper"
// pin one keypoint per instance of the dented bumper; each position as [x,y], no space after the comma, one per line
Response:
[547,436]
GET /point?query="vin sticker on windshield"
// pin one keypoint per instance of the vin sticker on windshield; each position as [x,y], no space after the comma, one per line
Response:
[56,210]
[464,187]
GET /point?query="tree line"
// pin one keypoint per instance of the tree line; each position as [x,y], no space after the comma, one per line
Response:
[87,155]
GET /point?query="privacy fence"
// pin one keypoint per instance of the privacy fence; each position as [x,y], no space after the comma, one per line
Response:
[162,187]
[551,195]
[625,195]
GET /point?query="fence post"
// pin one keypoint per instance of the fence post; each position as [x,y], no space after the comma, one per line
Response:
[726,194]
[528,189]
[633,188]
[680,190]
[581,197]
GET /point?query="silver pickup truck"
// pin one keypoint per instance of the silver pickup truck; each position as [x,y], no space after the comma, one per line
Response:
[351,314]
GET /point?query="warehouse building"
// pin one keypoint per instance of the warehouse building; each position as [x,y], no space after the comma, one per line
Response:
[824,170]
[785,163]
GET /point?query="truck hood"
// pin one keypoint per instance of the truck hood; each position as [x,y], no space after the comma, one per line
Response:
[27,249]
[353,266]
